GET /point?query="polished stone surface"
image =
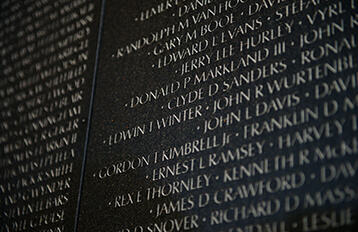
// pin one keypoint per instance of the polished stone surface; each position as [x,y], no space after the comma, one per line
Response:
[193,116]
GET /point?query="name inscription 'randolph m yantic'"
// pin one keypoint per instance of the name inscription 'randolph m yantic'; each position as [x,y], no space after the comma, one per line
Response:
[205,115]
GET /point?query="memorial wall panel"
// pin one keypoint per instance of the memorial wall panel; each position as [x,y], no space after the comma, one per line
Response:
[224,116]
[48,51]
[179,115]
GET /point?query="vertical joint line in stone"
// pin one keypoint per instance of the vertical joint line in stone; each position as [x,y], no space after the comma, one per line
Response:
[90,112]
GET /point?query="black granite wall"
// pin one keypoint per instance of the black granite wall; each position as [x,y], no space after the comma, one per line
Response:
[178,115]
